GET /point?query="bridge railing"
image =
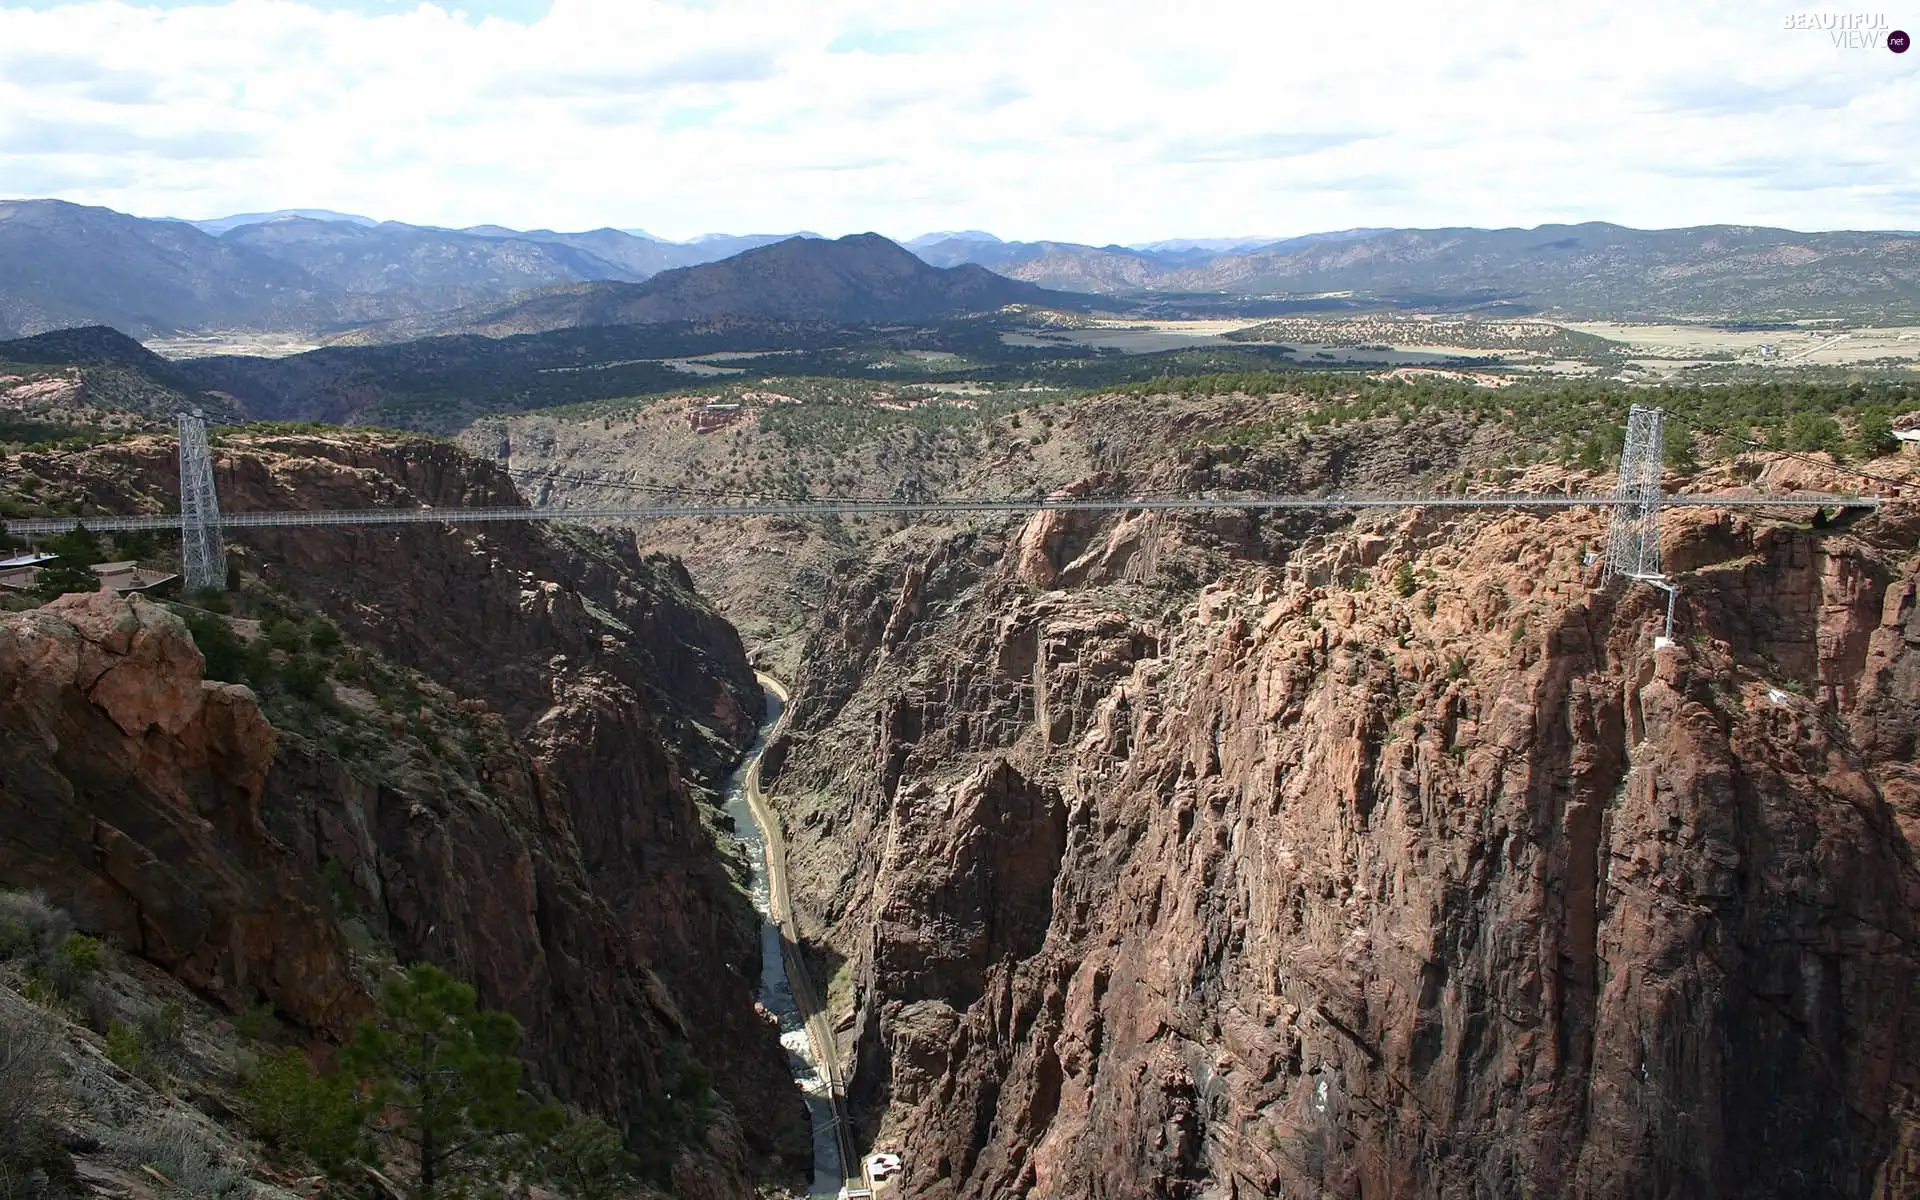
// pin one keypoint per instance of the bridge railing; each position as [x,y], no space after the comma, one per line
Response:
[34,526]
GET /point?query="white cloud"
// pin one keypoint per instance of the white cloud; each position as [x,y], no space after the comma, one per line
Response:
[1122,121]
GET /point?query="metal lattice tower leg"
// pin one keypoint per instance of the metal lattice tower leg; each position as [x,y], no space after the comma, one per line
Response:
[1633,546]
[203,555]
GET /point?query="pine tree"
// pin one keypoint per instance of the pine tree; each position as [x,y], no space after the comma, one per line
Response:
[1873,434]
[72,571]
[590,1161]
[443,1074]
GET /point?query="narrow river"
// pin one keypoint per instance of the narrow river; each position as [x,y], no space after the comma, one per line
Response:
[775,994]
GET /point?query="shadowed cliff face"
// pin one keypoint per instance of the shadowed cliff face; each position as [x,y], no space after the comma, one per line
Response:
[1329,890]
[497,612]
[568,870]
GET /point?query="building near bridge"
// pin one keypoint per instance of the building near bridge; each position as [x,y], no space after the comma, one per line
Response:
[21,573]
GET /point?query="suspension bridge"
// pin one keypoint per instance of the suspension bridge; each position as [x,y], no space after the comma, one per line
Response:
[1633,548]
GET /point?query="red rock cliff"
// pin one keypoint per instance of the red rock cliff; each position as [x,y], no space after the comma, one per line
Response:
[1296,885]
[131,790]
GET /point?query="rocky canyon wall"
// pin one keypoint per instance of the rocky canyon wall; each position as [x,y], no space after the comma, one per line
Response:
[1321,877]
[565,864]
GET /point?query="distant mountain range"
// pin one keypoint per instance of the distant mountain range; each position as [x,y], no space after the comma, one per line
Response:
[827,306]
[1108,268]
[1591,270]
[859,279]
[333,275]
[305,270]
[219,225]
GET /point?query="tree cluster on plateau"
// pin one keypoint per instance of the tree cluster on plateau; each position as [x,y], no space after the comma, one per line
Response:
[1578,422]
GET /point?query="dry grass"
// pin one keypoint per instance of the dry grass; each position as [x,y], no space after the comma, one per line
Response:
[29,1084]
[175,1148]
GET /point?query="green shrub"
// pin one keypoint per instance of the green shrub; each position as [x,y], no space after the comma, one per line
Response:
[211,599]
[30,928]
[75,963]
[1677,451]
[257,1022]
[1403,582]
[339,889]
[80,955]
[305,677]
[445,1070]
[135,543]
[295,1111]
[589,1161]
[63,578]
[257,671]
[1813,431]
[283,635]
[1873,434]
[126,1049]
[323,635]
[72,571]
[676,1115]
[219,645]
[163,1031]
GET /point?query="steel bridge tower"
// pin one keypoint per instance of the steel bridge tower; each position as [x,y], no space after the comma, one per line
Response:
[1633,543]
[1633,546]
[203,555]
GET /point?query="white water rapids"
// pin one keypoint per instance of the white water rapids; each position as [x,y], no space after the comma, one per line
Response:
[775,994]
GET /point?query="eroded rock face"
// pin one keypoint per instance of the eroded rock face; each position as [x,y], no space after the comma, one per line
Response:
[130,793]
[573,878]
[499,612]
[1465,892]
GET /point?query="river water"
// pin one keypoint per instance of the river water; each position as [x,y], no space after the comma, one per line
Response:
[775,994]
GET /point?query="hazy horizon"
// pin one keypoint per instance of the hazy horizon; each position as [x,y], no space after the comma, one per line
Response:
[1120,124]
[904,239]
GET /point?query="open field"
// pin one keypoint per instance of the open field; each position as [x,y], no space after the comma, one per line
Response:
[207,345]
[1810,344]
[1131,337]
[1335,345]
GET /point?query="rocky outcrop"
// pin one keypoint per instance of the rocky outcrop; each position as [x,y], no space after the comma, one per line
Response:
[130,792]
[1470,890]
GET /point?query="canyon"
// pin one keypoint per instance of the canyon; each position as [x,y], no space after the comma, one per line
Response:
[1211,854]
[1224,856]
[1356,704]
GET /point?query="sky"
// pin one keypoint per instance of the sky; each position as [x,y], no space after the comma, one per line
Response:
[1109,122]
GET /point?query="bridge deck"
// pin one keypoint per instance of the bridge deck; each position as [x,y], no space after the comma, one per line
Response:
[821,508]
